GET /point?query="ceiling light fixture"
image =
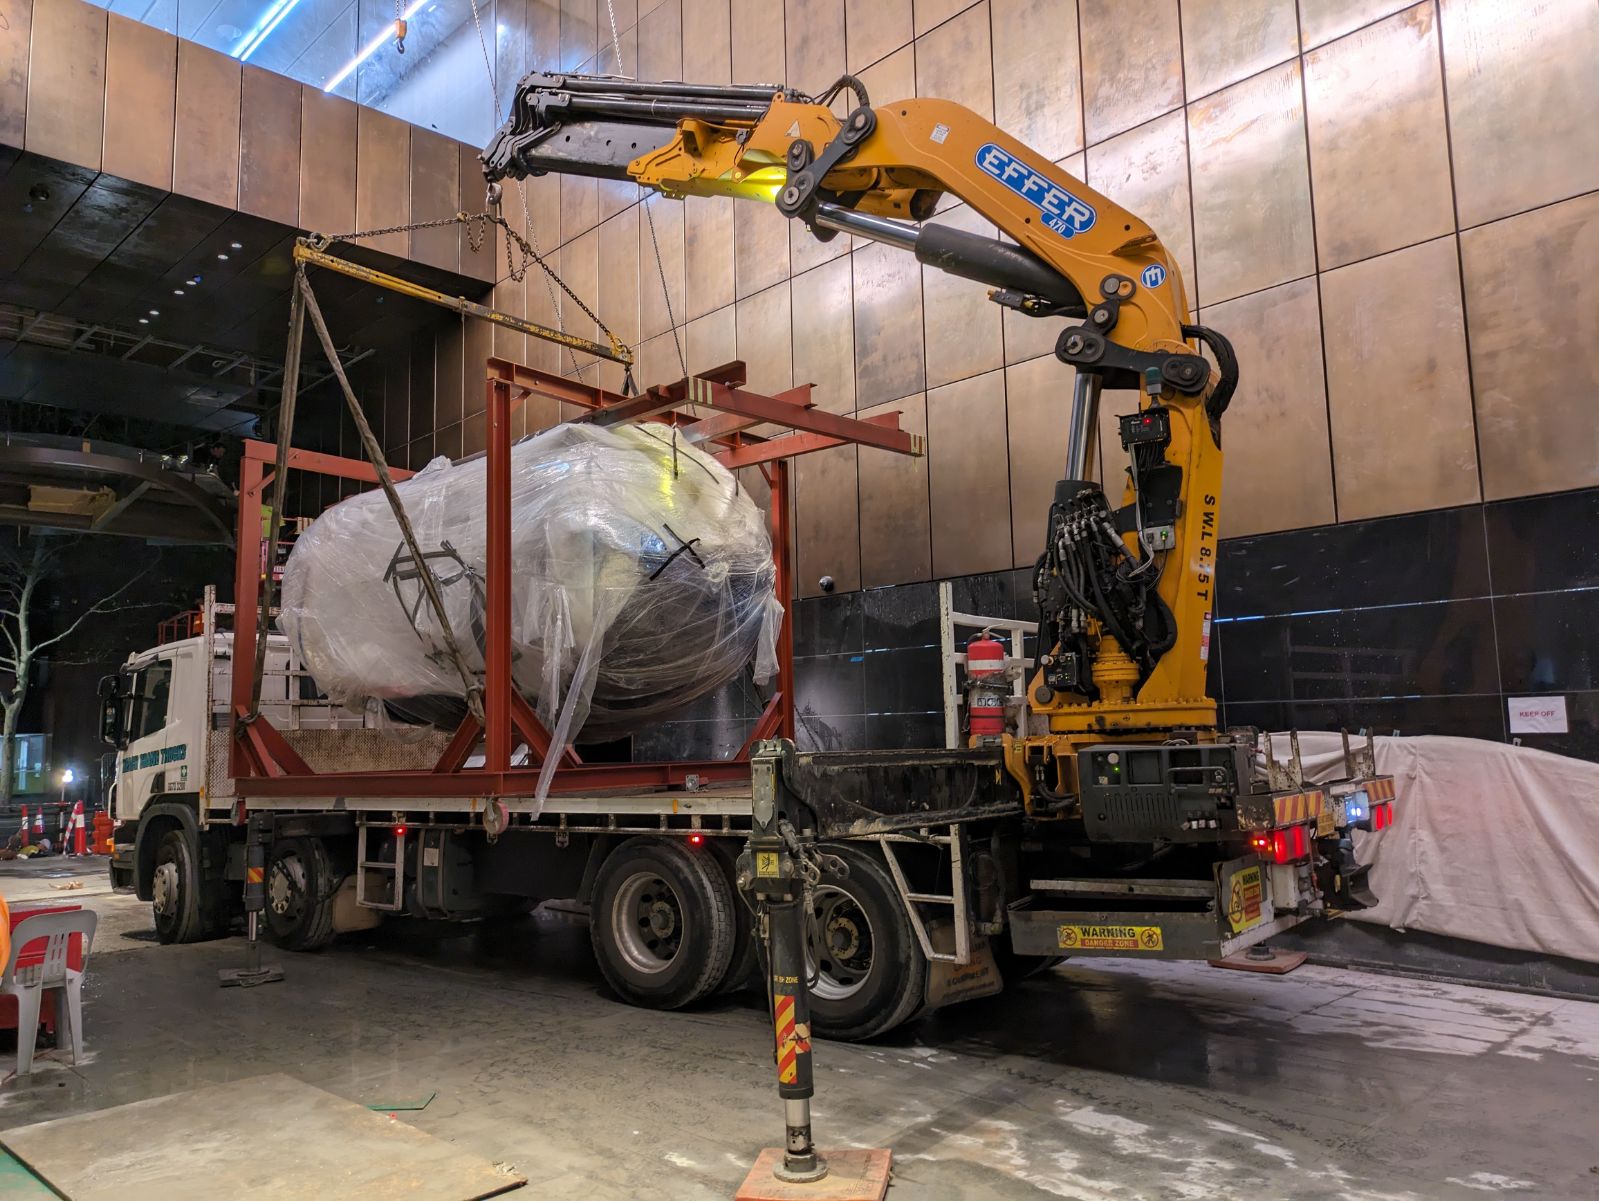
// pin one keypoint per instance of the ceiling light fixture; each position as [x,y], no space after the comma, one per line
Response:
[371,47]
[270,20]
[177,291]
[237,245]
[144,321]
[155,312]
[222,258]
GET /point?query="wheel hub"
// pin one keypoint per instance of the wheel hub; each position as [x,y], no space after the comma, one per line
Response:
[838,943]
[647,922]
[662,920]
[843,937]
[286,887]
[164,889]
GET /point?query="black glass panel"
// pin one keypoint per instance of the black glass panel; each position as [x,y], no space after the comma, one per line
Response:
[1398,651]
[830,684]
[1549,641]
[1390,560]
[827,625]
[898,730]
[1544,543]
[1461,716]
[904,615]
[818,733]
[904,681]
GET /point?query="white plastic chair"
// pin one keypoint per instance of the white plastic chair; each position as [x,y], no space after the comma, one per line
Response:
[27,984]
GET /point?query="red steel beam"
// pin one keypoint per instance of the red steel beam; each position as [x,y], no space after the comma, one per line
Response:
[515,782]
[322,464]
[750,453]
[815,421]
[497,581]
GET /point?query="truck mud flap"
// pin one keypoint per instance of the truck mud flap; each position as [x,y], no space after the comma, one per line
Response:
[1132,935]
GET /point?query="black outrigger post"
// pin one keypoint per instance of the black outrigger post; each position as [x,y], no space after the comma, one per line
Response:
[253,973]
[778,869]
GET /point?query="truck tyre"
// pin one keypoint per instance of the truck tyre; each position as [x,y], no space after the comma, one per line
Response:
[869,970]
[661,922]
[176,891]
[743,969]
[300,887]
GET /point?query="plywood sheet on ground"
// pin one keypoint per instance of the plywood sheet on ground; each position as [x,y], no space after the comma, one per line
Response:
[267,1138]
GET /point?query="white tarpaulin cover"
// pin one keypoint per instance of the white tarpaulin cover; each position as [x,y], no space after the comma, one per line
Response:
[1494,843]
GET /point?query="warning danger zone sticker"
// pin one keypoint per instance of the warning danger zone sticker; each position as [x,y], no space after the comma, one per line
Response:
[1244,899]
[1109,938]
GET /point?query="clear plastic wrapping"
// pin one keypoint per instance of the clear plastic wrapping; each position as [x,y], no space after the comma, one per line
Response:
[642,578]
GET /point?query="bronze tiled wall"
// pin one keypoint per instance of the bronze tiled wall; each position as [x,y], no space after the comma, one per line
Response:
[1392,209]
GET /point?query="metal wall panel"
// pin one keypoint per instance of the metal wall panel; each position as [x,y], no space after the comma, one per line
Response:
[1322,20]
[327,163]
[435,188]
[711,340]
[935,12]
[66,82]
[1145,170]
[450,349]
[758,52]
[707,41]
[827,521]
[141,73]
[1277,473]
[708,253]
[662,290]
[1038,95]
[617,301]
[888,324]
[824,335]
[579,33]
[967,477]
[760,247]
[579,266]
[421,387]
[1132,63]
[1397,383]
[16,34]
[1522,97]
[961,326]
[816,53]
[875,29]
[956,62]
[269,146]
[896,519]
[382,179]
[580,205]
[205,161]
[1251,182]
[478,345]
[1037,411]
[1228,40]
[765,339]
[396,399]
[1533,362]
[889,79]
[1373,99]
[660,42]
[481,263]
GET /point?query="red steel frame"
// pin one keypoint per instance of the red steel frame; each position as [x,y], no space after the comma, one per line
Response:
[265,766]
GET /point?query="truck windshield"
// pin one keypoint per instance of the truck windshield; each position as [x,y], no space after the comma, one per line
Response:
[150,693]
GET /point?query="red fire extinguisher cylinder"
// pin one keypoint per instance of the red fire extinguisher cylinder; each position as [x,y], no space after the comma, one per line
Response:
[985,686]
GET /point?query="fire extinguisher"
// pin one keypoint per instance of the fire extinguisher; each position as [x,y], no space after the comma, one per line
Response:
[985,686]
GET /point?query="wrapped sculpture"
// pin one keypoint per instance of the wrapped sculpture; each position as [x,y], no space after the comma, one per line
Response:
[642,578]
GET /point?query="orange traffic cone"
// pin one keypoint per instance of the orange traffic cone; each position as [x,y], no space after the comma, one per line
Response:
[38,822]
[25,831]
[80,835]
[103,825]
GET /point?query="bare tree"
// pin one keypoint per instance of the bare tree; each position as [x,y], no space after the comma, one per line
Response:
[26,564]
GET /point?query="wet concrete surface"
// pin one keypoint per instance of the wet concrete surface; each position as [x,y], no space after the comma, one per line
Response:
[1099,1080]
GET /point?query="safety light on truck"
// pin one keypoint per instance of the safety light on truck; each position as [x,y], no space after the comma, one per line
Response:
[1260,843]
[696,839]
[1290,844]
[1382,815]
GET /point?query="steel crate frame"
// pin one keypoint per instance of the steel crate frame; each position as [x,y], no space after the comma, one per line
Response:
[265,767]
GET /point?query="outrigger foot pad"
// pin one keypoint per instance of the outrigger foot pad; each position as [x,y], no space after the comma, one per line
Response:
[852,1175]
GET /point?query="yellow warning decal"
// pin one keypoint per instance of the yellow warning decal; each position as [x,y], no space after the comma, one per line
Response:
[1109,938]
[1244,898]
[254,875]
[766,863]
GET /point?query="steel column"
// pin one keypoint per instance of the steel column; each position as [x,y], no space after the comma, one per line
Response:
[497,581]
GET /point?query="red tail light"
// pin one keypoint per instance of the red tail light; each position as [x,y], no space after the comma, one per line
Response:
[1290,844]
[1260,843]
[696,839]
[1382,816]
[399,831]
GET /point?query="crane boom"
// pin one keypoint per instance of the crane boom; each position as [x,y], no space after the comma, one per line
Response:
[1125,593]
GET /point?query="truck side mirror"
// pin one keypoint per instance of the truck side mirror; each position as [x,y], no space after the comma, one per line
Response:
[113,704]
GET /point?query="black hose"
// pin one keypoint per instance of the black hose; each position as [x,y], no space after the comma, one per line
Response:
[1226,363]
[839,84]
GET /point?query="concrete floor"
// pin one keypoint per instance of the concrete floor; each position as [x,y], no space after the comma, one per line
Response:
[1102,1080]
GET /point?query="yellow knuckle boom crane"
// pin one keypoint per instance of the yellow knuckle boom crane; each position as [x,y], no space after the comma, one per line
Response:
[1117,745]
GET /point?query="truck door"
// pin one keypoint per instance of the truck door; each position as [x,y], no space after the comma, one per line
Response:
[156,760]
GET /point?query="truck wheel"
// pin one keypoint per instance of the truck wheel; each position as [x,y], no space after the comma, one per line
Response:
[661,923]
[300,887]
[175,889]
[869,970]
[743,969]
